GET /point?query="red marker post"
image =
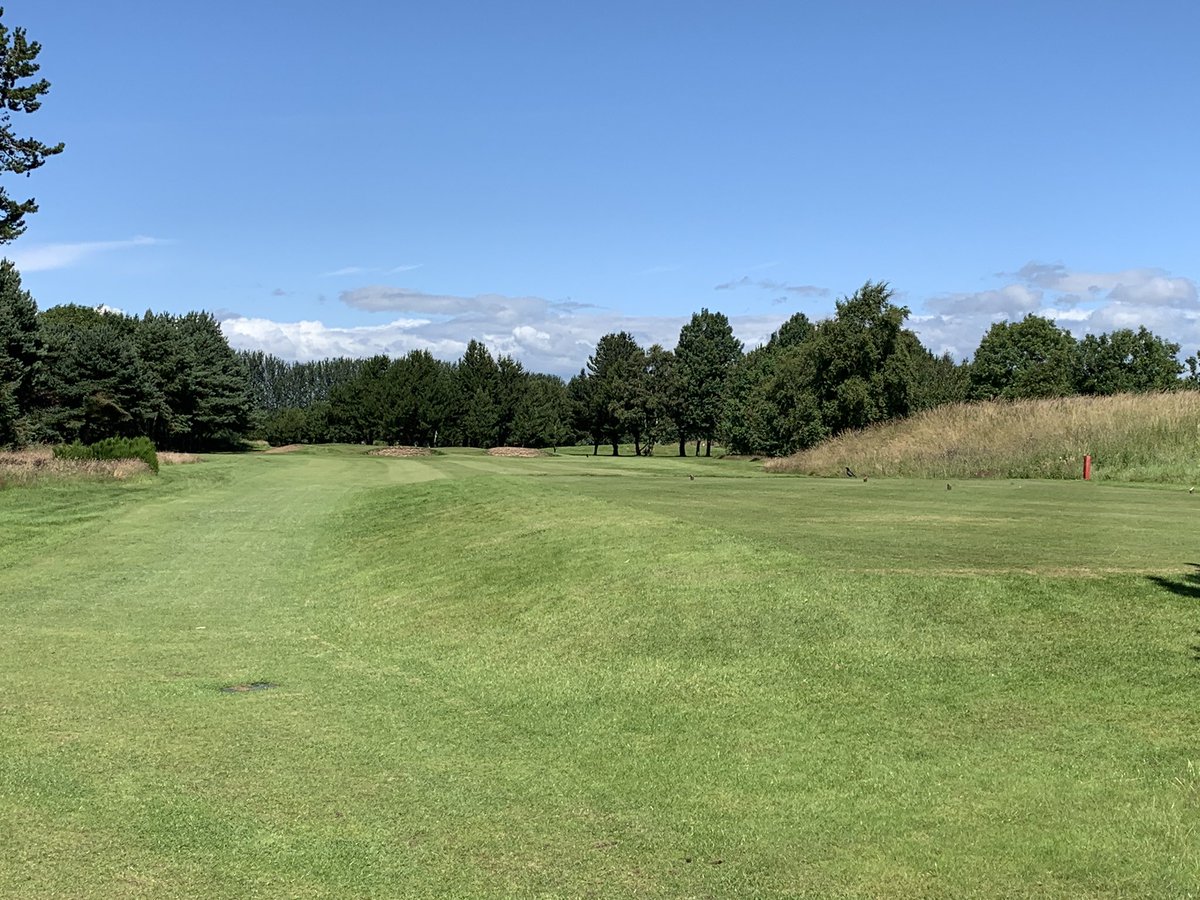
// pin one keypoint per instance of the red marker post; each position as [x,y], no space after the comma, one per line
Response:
[1087,468]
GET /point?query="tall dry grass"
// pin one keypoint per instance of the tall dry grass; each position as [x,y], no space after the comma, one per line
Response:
[172,458]
[33,464]
[1131,437]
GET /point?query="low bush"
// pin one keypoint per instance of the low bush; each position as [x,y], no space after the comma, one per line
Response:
[112,448]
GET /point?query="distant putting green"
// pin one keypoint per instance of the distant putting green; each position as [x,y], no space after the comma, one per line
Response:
[469,676]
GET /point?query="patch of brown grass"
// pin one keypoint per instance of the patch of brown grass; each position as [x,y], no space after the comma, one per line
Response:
[514,451]
[284,448]
[1131,437]
[33,464]
[400,451]
[170,458]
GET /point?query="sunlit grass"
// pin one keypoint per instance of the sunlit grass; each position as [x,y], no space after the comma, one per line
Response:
[569,677]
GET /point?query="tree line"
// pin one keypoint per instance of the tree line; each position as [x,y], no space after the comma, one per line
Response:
[74,373]
[478,401]
[810,381]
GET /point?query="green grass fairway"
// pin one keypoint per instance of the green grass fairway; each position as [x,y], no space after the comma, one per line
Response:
[595,677]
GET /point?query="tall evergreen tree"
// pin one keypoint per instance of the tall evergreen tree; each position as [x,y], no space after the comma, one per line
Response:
[618,373]
[218,406]
[705,356]
[94,384]
[476,377]
[543,413]
[20,354]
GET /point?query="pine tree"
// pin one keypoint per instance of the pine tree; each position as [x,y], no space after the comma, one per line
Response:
[20,354]
[19,155]
[705,356]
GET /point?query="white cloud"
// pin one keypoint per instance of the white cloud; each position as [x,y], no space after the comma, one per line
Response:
[1081,302]
[545,336]
[308,340]
[1130,285]
[1014,300]
[45,257]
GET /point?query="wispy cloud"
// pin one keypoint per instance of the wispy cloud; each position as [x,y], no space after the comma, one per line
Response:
[767,284]
[279,292]
[346,271]
[47,257]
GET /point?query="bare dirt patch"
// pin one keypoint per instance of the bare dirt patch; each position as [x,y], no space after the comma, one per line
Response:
[514,451]
[283,448]
[247,687]
[400,451]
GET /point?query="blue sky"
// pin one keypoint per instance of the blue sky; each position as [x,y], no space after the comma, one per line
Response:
[370,177]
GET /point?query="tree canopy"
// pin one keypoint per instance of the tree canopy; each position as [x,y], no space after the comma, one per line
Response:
[19,155]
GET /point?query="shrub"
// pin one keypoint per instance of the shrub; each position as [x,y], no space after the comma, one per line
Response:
[112,448]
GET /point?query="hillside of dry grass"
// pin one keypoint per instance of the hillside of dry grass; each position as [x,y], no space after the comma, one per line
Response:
[1131,437]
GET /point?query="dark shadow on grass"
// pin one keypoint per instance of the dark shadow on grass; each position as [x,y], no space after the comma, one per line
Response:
[1181,586]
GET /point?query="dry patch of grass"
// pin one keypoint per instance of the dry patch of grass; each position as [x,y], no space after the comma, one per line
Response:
[400,451]
[33,464]
[285,448]
[170,458]
[1131,437]
[514,451]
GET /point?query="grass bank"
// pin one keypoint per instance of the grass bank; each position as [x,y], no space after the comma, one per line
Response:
[1131,437]
[594,677]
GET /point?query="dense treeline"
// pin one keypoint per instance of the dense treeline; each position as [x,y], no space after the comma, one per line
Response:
[480,401]
[73,373]
[276,384]
[859,367]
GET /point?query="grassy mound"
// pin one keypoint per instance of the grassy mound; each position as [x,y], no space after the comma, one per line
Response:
[1131,437]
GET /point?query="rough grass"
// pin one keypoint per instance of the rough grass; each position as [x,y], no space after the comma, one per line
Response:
[172,458]
[401,452]
[33,465]
[1131,437]
[526,452]
[595,677]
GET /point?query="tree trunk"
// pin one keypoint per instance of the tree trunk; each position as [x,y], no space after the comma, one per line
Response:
[616,448]
[708,447]
[595,448]
[682,445]
[637,447]
[697,446]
